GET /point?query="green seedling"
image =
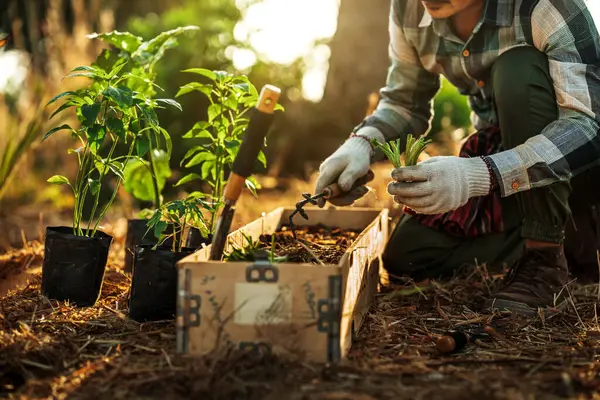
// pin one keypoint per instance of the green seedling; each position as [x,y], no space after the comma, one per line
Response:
[180,213]
[414,148]
[145,177]
[249,251]
[110,113]
[231,98]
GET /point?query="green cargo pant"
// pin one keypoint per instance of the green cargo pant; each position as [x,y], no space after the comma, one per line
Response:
[525,103]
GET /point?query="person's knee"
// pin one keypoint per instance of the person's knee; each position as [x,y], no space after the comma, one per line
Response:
[514,72]
[524,94]
[413,252]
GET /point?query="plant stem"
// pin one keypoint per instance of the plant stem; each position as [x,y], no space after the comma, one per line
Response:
[114,195]
[81,191]
[102,175]
[153,172]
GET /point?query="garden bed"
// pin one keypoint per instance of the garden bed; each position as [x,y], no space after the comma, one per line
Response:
[49,349]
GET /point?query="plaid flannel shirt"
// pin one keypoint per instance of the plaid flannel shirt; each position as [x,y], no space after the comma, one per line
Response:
[421,49]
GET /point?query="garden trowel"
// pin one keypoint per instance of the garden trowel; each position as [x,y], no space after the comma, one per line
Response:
[258,126]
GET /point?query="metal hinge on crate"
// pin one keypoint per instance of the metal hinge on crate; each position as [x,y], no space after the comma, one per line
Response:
[188,311]
[262,270]
[330,316]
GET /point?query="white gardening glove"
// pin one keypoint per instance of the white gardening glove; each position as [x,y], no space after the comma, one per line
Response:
[440,184]
[346,165]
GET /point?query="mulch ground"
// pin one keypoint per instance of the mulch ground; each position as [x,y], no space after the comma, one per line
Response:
[53,350]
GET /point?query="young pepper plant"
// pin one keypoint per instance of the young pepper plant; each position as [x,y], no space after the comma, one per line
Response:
[146,176]
[231,98]
[179,213]
[109,113]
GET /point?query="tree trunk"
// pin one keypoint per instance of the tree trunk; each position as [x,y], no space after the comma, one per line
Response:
[357,69]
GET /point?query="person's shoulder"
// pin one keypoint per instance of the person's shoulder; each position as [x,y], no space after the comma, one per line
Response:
[543,9]
[409,13]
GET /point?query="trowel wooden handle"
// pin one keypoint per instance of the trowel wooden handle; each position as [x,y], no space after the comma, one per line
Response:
[258,126]
[332,190]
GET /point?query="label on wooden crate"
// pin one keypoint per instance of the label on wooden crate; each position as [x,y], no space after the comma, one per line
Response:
[262,304]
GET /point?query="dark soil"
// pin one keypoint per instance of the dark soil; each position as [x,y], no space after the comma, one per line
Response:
[318,244]
[328,244]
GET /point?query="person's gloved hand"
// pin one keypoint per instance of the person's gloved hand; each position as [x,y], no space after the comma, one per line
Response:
[440,184]
[349,167]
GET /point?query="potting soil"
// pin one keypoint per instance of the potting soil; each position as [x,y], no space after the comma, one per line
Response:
[315,244]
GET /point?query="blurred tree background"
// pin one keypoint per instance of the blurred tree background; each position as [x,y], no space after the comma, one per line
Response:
[326,84]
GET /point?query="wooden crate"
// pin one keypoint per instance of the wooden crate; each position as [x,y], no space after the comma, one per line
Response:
[306,310]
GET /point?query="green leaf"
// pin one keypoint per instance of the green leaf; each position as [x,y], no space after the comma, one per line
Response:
[168,141]
[149,114]
[142,145]
[95,135]
[53,130]
[200,158]
[84,68]
[195,133]
[153,50]
[262,158]
[61,95]
[116,126]
[94,185]
[194,86]
[170,102]
[59,180]
[90,112]
[213,111]
[208,167]
[159,228]
[62,108]
[87,72]
[232,143]
[121,95]
[188,178]
[138,176]
[202,71]
[116,69]
[122,40]
[252,185]
[231,102]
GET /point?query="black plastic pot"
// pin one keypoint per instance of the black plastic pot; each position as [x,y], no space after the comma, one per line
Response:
[153,294]
[73,267]
[195,239]
[136,235]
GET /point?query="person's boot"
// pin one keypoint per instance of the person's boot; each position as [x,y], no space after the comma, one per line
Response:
[536,281]
[582,244]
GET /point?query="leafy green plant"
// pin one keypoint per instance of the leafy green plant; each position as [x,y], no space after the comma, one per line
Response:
[251,249]
[414,148]
[110,113]
[231,98]
[145,178]
[179,213]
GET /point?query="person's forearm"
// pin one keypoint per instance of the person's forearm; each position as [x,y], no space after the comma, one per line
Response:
[405,101]
[548,158]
